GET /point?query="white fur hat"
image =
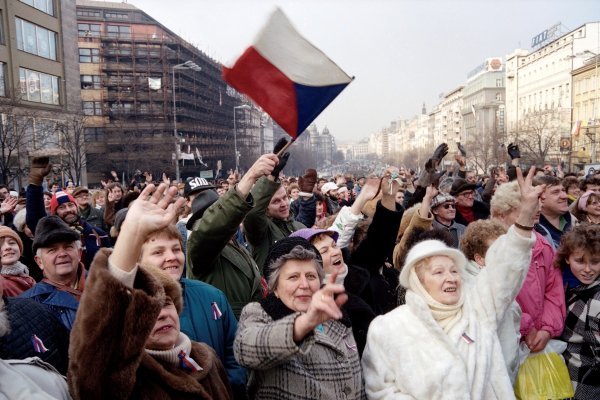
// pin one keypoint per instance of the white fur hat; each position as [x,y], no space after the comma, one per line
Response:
[429,248]
[327,187]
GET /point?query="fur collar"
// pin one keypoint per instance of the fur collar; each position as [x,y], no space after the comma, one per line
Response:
[277,310]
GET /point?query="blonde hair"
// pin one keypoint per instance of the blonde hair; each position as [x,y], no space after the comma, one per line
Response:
[507,198]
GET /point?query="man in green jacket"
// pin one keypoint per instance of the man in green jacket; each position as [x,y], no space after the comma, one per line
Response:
[214,256]
[270,219]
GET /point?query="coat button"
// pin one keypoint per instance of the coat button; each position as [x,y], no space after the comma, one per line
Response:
[340,357]
[347,390]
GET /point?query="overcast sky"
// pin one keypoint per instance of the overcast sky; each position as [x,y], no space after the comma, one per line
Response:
[402,52]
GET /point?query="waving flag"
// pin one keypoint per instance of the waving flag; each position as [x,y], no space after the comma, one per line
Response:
[287,76]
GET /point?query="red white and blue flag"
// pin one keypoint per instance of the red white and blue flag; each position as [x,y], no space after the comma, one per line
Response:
[216,312]
[288,77]
[187,363]
[38,345]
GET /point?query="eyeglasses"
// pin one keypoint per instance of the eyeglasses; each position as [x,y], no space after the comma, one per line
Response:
[468,193]
[449,205]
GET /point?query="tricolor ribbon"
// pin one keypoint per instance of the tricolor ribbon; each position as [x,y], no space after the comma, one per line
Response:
[38,345]
[467,339]
[216,313]
[187,363]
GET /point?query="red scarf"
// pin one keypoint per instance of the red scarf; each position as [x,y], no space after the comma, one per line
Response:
[466,212]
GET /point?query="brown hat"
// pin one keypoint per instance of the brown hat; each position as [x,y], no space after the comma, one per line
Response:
[169,284]
[460,185]
[80,189]
[6,231]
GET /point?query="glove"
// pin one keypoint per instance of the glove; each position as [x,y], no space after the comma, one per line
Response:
[462,150]
[513,151]
[283,159]
[282,162]
[308,181]
[280,145]
[40,167]
[440,152]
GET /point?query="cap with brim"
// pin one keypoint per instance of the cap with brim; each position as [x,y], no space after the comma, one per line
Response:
[460,185]
[196,185]
[430,248]
[310,233]
[200,204]
[441,199]
[79,190]
[328,187]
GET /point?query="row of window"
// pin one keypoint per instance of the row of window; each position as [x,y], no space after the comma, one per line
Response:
[46,6]
[36,40]
[95,30]
[98,14]
[39,87]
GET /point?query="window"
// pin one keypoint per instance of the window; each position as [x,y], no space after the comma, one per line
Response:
[94,134]
[123,31]
[88,13]
[89,55]
[88,30]
[116,15]
[46,6]
[92,107]
[91,82]
[2,79]
[1,28]
[499,82]
[39,87]
[35,39]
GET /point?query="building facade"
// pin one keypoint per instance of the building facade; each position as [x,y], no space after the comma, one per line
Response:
[152,100]
[586,113]
[39,86]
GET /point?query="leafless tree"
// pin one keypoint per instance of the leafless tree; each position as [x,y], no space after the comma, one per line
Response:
[486,150]
[71,142]
[538,136]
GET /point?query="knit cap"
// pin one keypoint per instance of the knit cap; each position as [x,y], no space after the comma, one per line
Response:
[59,198]
[5,231]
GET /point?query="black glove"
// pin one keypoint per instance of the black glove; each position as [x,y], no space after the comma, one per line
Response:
[462,150]
[440,152]
[513,151]
[282,161]
[280,145]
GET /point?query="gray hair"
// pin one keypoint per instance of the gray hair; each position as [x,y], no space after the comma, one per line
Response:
[39,250]
[297,253]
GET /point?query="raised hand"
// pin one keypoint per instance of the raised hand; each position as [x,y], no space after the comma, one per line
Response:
[462,149]
[264,166]
[530,199]
[40,167]
[513,151]
[439,153]
[8,205]
[325,305]
[308,181]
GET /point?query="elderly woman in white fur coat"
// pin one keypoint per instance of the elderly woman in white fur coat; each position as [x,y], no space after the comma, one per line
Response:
[443,343]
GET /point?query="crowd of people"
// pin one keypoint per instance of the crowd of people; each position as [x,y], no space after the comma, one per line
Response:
[398,285]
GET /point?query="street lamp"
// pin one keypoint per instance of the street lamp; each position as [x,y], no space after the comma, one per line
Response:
[237,158]
[194,67]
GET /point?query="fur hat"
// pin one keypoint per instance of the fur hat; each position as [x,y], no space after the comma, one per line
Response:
[59,198]
[441,199]
[51,230]
[171,286]
[429,248]
[6,231]
[310,233]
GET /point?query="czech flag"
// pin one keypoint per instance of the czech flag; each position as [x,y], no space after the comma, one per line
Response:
[286,76]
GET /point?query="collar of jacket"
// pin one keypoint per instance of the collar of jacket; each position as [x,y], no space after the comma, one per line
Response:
[277,310]
[583,292]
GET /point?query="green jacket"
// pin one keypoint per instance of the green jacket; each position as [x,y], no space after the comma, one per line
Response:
[262,231]
[213,257]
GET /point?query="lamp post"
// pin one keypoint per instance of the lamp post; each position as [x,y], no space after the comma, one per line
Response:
[186,65]
[237,158]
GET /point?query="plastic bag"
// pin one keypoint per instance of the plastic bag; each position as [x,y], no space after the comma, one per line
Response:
[544,375]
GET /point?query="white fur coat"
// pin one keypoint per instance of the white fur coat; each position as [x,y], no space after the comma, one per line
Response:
[409,356]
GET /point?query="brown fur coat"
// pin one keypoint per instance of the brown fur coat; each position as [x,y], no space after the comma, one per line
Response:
[107,357]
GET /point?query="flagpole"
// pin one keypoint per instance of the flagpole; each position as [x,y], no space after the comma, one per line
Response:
[284,148]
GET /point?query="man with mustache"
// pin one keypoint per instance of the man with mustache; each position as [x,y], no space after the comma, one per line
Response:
[65,207]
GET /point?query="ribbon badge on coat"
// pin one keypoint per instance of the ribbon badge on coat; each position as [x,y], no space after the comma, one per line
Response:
[187,363]
[216,313]
[38,345]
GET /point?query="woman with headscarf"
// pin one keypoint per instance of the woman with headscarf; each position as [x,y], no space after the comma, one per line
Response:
[587,207]
[296,343]
[579,252]
[443,342]
[126,342]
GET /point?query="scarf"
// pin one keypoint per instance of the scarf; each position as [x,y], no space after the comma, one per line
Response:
[472,268]
[76,291]
[170,357]
[466,212]
[445,315]
[17,269]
